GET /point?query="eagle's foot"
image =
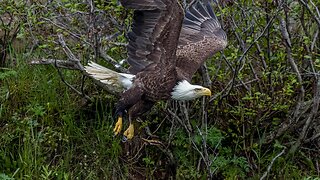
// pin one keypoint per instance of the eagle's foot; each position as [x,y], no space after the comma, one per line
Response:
[129,133]
[118,126]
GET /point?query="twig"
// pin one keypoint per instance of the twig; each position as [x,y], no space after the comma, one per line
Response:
[205,75]
[82,83]
[110,60]
[93,28]
[78,36]
[204,127]
[264,64]
[75,61]
[172,162]
[71,87]
[179,119]
[287,125]
[312,138]
[248,82]
[311,11]
[185,111]
[287,43]
[245,53]
[118,43]
[66,64]
[265,174]
[69,53]
[314,40]
[57,62]
[314,110]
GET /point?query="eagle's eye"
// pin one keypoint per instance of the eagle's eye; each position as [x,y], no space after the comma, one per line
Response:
[197,89]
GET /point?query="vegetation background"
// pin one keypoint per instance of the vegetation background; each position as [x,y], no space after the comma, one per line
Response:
[261,123]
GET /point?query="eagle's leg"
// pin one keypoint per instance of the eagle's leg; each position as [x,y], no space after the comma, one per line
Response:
[118,126]
[128,99]
[135,111]
[129,133]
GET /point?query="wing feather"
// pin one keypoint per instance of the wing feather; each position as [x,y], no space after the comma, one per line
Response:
[201,36]
[148,42]
[144,4]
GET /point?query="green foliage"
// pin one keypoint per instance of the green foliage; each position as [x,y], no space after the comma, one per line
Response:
[5,177]
[49,132]
[7,74]
[45,136]
[223,161]
[311,178]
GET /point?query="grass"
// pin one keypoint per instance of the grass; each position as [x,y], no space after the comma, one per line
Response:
[47,132]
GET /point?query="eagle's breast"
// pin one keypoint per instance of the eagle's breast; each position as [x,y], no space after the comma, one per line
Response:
[158,81]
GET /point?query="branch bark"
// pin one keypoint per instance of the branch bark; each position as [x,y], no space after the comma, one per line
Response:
[265,174]
[287,43]
[66,64]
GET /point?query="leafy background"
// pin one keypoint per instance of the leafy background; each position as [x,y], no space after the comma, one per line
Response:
[261,123]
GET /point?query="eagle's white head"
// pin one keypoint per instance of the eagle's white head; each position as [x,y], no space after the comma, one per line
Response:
[186,91]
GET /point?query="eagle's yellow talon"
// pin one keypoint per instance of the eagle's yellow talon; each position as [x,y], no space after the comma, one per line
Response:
[129,133]
[118,126]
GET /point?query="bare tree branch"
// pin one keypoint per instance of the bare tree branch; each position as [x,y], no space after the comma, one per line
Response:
[66,64]
[315,107]
[317,18]
[287,43]
[69,53]
[265,174]
[110,60]
[71,87]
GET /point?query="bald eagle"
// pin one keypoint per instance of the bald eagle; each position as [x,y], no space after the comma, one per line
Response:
[166,47]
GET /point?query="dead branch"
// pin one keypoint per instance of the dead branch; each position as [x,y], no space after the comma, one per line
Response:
[312,138]
[315,38]
[66,64]
[262,58]
[205,75]
[110,60]
[204,127]
[69,53]
[287,43]
[181,121]
[76,62]
[288,125]
[72,33]
[71,87]
[315,107]
[313,15]
[265,174]
[248,82]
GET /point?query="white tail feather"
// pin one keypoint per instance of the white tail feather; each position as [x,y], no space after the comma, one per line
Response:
[113,80]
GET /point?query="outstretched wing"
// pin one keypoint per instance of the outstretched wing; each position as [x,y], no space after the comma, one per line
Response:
[201,36]
[154,36]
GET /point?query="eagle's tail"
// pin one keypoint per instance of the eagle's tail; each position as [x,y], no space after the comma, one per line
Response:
[112,80]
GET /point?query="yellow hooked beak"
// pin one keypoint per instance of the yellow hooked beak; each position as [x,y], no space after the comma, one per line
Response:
[205,92]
